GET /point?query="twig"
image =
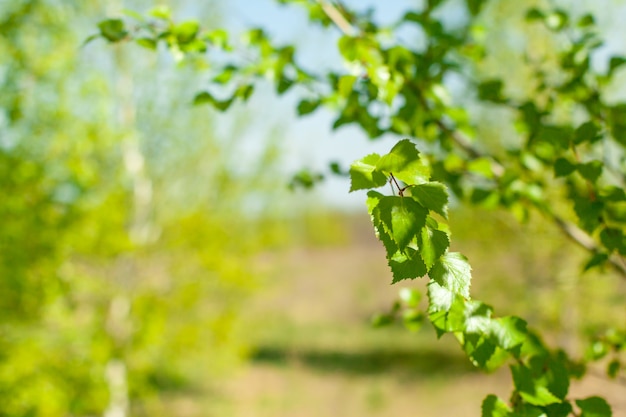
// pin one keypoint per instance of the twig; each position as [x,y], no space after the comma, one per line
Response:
[337,17]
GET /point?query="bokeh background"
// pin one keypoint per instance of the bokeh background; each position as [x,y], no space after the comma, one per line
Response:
[155,262]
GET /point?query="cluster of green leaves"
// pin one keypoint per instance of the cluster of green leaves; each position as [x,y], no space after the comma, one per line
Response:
[417,245]
[235,67]
[565,160]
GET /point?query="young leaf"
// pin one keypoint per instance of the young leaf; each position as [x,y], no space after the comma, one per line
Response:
[474,6]
[596,259]
[613,368]
[187,31]
[594,407]
[404,162]
[532,390]
[432,244]
[364,175]
[588,212]
[439,298]
[453,272]
[307,106]
[112,30]
[433,196]
[586,132]
[479,349]
[403,217]
[147,43]
[491,90]
[495,407]
[591,170]
[406,265]
[373,199]
[161,12]
[563,167]
[508,332]
[613,239]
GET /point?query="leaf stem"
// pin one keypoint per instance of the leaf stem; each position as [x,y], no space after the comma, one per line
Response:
[400,189]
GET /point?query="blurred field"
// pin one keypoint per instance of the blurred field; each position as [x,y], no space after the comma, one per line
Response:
[316,354]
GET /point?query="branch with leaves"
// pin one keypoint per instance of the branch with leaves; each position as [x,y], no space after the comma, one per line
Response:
[394,89]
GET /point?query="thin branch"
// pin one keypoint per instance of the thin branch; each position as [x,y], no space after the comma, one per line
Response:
[337,17]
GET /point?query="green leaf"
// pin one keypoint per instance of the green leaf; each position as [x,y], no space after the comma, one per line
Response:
[348,47]
[403,218]
[613,368]
[161,12]
[586,132]
[244,91]
[440,299]
[471,316]
[491,90]
[479,349]
[406,265]
[305,179]
[596,259]
[217,38]
[364,175]
[530,389]
[588,213]
[551,137]
[284,84]
[186,32]
[147,43]
[433,196]
[508,332]
[563,167]
[481,166]
[594,407]
[404,162]
[373,199]
[433,244]
[207,98]
[475,6]
[308,106]
[612,193]
[345,85]
[613,239]
[453,272]
[617,122]
[563,409]
[586,21]
[112,30]
[555,374]
[590,170]
[534,14]
[615,63]
[495,407]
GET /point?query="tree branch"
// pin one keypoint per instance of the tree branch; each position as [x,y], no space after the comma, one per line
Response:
[570,230]
[337,17]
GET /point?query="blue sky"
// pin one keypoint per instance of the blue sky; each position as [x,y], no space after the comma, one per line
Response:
[309,142]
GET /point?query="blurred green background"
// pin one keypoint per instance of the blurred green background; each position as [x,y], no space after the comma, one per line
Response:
[154,263]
